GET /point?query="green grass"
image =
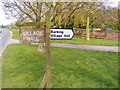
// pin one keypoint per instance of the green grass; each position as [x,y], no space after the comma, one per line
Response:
[92,41]
[15,34]
[76,40]
[23,67]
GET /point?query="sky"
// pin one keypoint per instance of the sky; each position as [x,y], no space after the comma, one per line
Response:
[5,21]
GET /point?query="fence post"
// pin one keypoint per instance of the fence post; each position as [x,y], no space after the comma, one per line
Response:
[92,33]
[105,34]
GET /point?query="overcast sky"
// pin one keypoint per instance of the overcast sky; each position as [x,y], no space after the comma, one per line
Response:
[5,21]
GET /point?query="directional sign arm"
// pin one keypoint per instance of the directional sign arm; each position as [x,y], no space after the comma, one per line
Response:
[61,34]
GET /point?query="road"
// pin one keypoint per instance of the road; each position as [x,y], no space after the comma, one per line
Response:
[4,38]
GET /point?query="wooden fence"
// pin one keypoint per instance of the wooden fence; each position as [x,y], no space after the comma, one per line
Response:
[105,34]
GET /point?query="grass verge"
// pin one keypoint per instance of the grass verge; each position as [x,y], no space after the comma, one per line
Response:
[23,67]
[15,34]
[92,41]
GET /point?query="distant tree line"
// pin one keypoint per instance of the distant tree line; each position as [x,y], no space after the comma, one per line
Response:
[66,15]
[3,26]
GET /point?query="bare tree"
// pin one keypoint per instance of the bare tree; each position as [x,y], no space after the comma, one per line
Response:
[35,11]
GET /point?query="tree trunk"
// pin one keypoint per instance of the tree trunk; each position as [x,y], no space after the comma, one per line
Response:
[88,29]
[41,46]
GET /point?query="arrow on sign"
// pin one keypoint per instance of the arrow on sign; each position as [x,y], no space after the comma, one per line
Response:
[61,34]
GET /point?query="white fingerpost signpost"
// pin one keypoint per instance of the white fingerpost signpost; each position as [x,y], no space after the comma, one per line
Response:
[61,34]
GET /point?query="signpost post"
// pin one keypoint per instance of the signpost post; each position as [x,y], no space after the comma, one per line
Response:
[47,51]
[47,76]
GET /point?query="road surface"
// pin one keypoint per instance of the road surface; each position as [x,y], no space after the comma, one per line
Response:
[5,35]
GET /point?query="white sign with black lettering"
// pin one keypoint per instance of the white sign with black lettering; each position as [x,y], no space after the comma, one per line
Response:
[61,34]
